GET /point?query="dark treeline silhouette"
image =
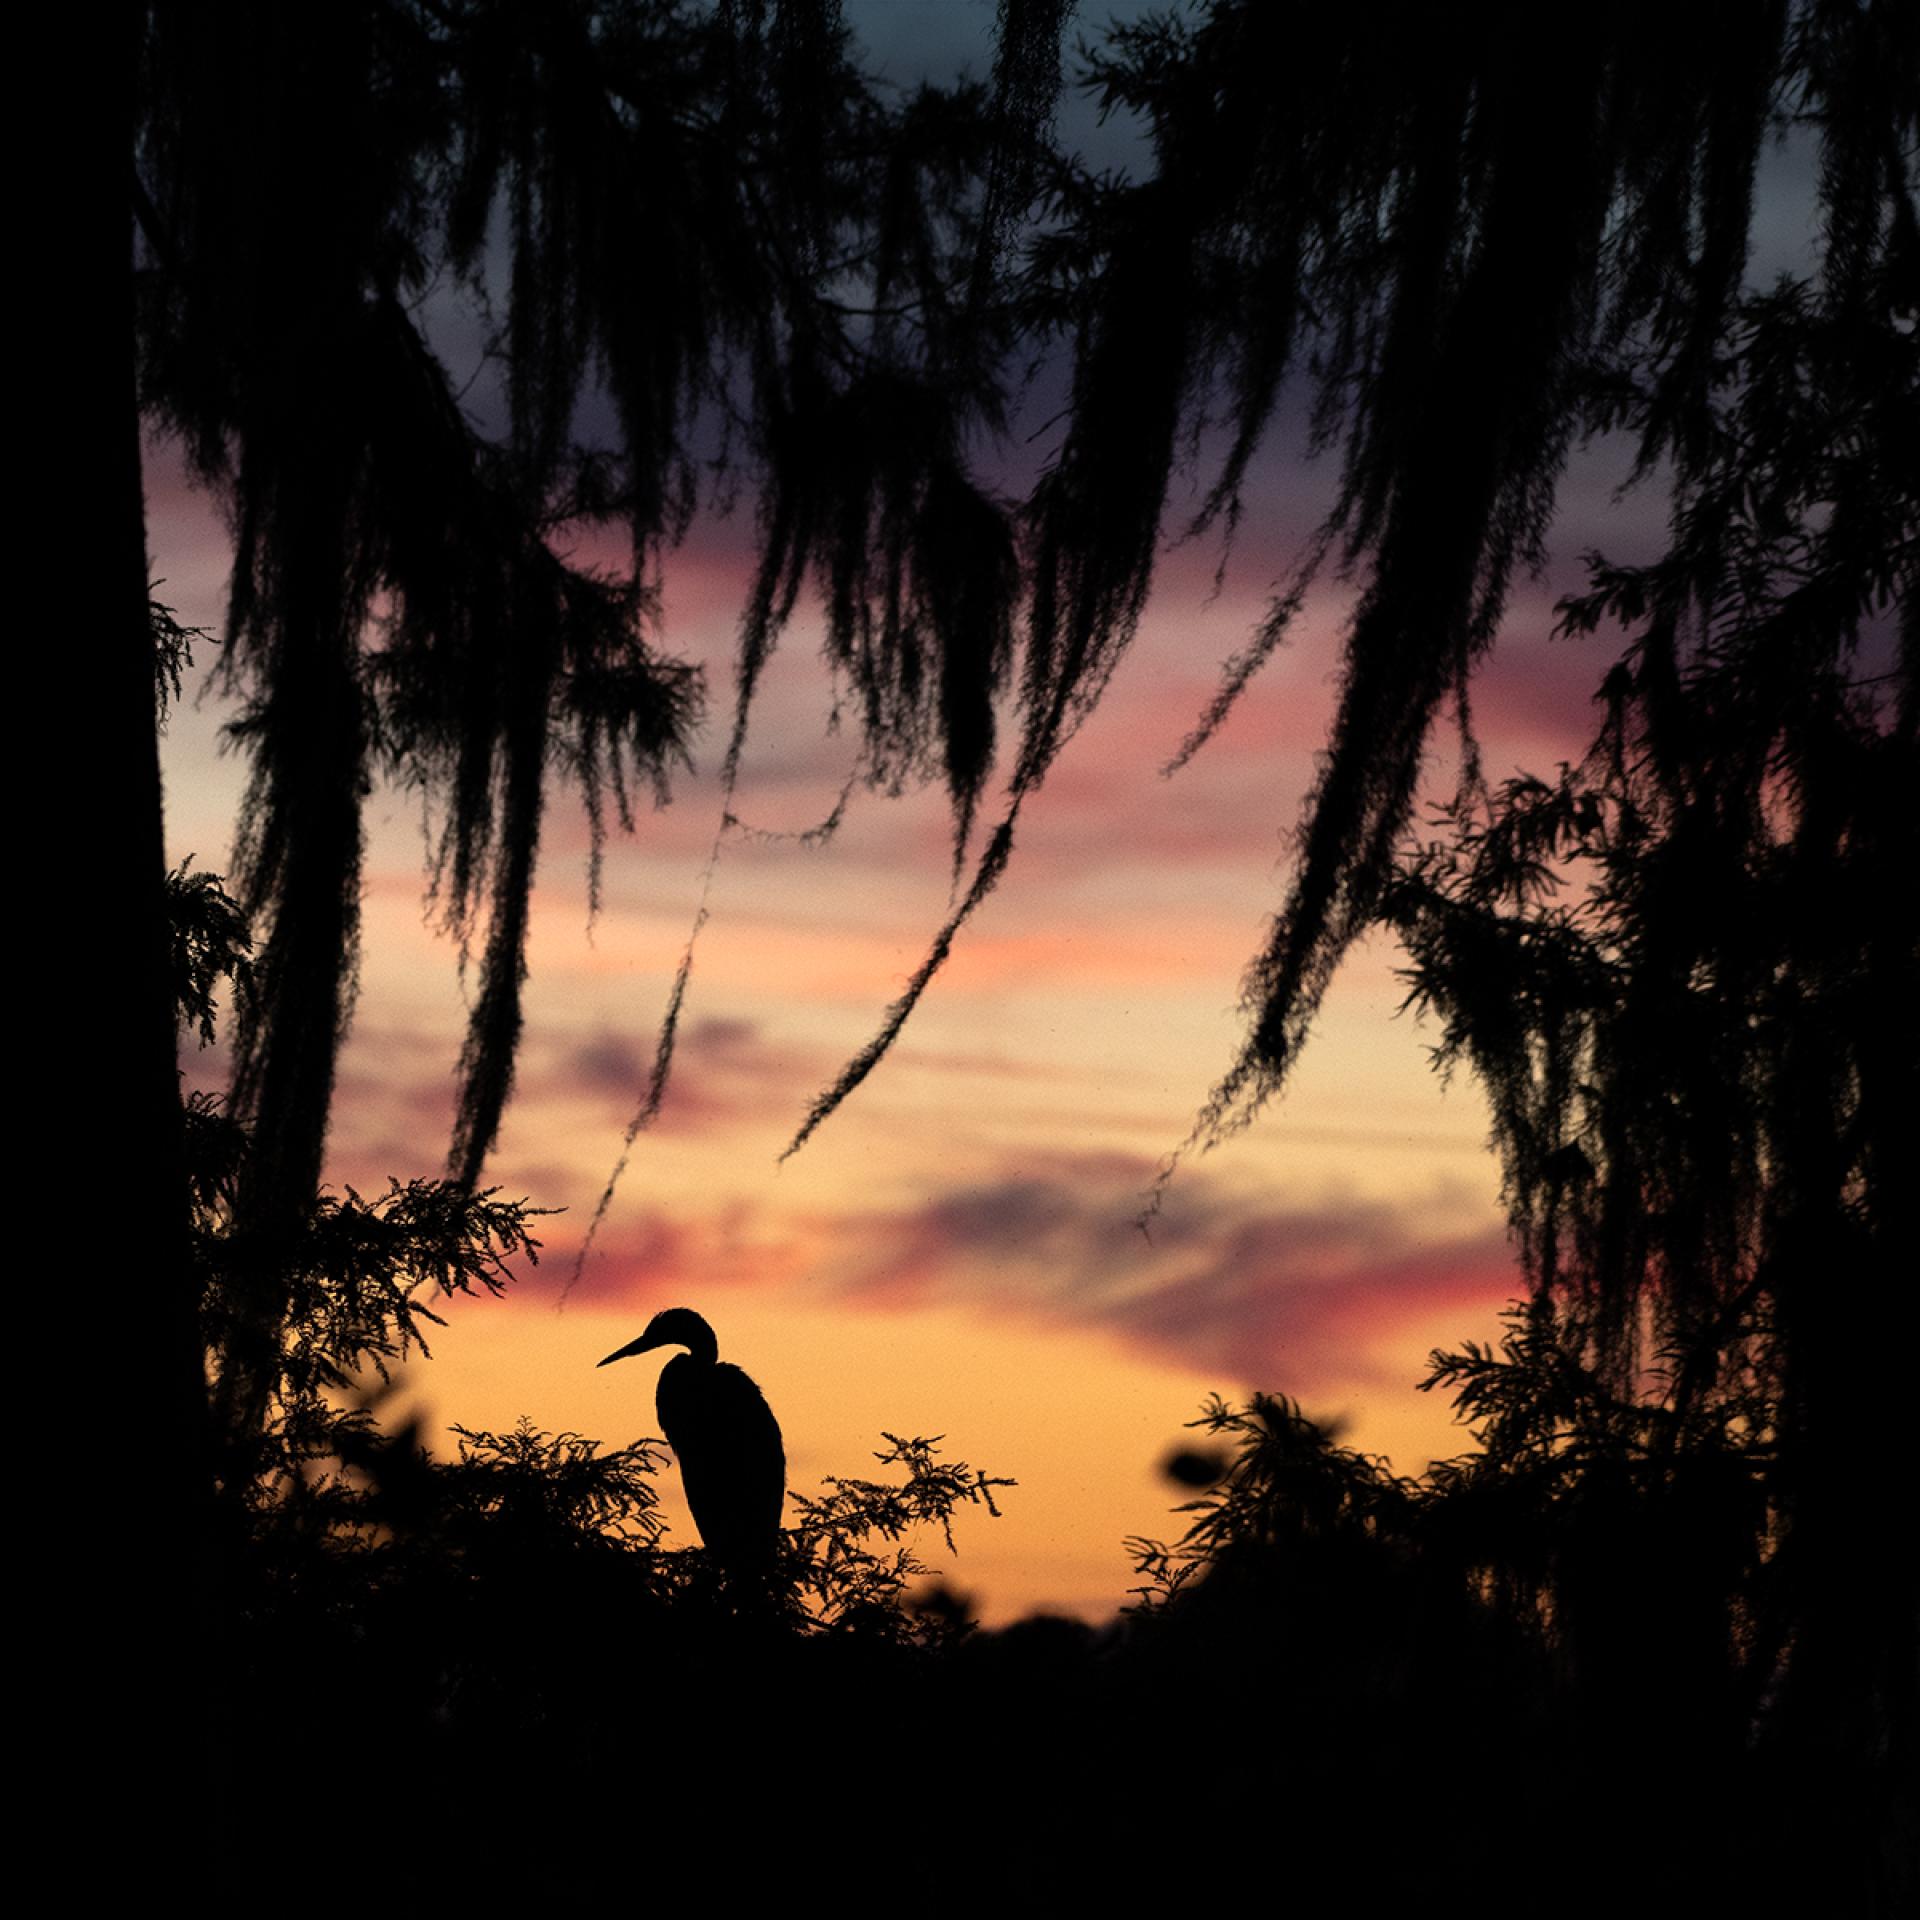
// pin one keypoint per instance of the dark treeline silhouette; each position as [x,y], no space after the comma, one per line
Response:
[1684,970]
[1583,1651]
[1654,1627]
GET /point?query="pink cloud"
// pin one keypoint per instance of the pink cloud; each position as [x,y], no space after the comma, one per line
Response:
[1296,1296]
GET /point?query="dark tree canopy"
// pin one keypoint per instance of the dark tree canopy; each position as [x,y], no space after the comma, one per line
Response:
[717,262]
[708,226]
[1684,971]
[1481,233]
[710,246]
[1490,232]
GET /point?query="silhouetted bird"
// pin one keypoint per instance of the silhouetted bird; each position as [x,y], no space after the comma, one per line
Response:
[725,1437]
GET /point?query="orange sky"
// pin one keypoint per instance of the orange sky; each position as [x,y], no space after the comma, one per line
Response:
[955,1252]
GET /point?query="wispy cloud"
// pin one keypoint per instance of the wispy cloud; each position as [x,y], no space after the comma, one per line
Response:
[1261,1292]
[1304,1296]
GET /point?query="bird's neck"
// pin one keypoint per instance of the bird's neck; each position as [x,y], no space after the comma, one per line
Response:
[701,1345]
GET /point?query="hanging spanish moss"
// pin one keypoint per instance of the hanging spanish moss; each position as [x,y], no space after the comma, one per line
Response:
[676,216]
[1481,228]
[1683,973]
[1091,534]
[1478,236]
[1026,88]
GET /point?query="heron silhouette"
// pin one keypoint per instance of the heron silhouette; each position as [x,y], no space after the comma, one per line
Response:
[725,1437]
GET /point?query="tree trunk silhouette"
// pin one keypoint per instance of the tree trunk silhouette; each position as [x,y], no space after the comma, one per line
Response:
[152,1716]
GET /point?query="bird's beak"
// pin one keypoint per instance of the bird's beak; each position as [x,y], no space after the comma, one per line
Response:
[633,1346]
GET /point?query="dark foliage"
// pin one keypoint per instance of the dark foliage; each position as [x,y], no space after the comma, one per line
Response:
[1664,1591]
[705,217]
[479,1602]
[172,652]
[1598,1585]
[1684,970]
[1548,1645]
[210,943]
[1493,231]
[1481,235]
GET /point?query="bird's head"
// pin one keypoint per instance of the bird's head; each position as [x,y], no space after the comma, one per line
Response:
[676,1327]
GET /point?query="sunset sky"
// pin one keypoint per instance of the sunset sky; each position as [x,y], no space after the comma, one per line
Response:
[955,1252]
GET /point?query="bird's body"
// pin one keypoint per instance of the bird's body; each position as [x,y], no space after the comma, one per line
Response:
[717,1421]
[732,1462]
